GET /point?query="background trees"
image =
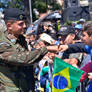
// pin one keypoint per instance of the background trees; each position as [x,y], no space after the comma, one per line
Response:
[41,5]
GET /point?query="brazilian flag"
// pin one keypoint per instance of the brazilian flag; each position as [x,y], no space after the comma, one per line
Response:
[65,76]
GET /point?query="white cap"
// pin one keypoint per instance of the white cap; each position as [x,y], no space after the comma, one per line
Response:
[47,38]
[82,20]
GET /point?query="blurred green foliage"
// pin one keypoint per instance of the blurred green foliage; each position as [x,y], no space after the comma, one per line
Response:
[40,6]
[16,4]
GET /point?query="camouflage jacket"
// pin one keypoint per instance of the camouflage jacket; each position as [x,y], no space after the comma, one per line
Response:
[14,51]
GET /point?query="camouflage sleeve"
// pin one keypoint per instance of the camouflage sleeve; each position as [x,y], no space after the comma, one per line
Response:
[9,55]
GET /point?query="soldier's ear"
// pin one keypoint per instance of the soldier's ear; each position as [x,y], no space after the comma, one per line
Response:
[9,26]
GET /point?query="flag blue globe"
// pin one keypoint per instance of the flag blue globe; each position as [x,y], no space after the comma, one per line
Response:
[60,82]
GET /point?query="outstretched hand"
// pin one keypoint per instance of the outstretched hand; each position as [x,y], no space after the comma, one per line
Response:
[63,48]
[56,48]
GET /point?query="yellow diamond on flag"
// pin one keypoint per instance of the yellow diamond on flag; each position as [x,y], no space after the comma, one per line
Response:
[61,81]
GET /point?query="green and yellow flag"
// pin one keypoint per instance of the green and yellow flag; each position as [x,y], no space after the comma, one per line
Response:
[65,76]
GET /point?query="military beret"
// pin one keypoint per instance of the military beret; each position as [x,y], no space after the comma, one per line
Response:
[14,14]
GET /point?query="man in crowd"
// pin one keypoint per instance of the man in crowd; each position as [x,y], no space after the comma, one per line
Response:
[14,52]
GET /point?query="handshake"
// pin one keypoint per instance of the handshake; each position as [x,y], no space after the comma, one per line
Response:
[57,48]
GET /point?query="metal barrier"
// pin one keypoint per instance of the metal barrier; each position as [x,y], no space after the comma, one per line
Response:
[83,86]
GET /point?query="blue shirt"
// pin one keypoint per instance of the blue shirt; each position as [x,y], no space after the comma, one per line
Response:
[89,50]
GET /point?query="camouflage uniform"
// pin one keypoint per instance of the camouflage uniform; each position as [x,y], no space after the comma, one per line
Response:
[13,55]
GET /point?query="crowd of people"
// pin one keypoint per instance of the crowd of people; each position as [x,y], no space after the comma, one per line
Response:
[27,58]
[69,43]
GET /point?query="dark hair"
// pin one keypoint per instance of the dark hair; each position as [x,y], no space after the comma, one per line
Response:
[88,28]
[79,63]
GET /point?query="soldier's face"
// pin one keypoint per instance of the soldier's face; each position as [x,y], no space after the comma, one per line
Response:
[17,28]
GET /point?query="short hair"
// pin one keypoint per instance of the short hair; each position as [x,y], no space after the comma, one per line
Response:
[11,21]
[88,28]
[79,63]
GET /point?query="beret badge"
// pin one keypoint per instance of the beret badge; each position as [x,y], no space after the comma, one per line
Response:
[20,17]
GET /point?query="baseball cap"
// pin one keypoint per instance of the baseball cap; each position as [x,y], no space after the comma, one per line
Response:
[14,14]
[78,26]
[65,30]
[78,56]
[82,20]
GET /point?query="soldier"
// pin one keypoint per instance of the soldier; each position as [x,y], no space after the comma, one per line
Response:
[14,53]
